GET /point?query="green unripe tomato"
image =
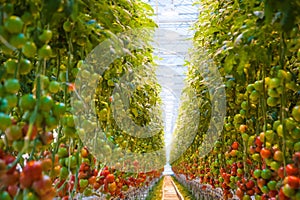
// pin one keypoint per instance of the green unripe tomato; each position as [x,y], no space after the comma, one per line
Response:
[67,26]
[14,24]
[5,121]
[44,82]
[45,52]
[54,87]
[11,66]
[274,83]
[62,76]
[59,109]
[272,101]
[12,86]
[12,100]
[296,113]
[18,40]
[51,122]
[29,49]
[25,66]
[64,173]
[45,36]
[18,145]
[62,152]
[4,195]
[27,102]
[46,103]
[83,183]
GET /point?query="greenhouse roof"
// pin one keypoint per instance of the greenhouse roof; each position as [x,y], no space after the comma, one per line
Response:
[172,42]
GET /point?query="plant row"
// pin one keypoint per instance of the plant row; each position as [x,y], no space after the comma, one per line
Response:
[59,110]
[252,47]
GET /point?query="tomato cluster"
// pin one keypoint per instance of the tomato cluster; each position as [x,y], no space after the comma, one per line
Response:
[31,183]
[257,54]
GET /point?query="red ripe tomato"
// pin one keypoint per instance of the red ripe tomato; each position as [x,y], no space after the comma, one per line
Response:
[235,145]
[264,197]
[9,159]
[239,193]
[47,137]
[250,192]
[104,173]
[46,164]
[9,179]
[92,180]
[240,165]
[94,172]
[243,128]
[25,182]
[233,153]
[33,133]
[227,178]
[258,142]
[71,185]
[239,184]
[258,149]
[50,194]
[84,167]
[230,195]
[291,170]
[252,150]
[296,157]
[261,182]
[223,175]
[265,153]
[82,175]
[84,152]
[280,172]
[71,87]
[250,184]
[65,198]
[72,178]
[33,170]
[105,188]
[96,186]
[293,181]
[42,186]
[112,186]
[257,190]
[272,193]
[13,190]
[222,170]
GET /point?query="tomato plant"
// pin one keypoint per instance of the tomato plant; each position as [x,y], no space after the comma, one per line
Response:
[43,49]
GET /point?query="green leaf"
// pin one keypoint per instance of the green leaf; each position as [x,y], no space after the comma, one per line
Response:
[229,63]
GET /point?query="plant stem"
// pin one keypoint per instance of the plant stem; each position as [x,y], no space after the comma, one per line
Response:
[283,98]
[19,64]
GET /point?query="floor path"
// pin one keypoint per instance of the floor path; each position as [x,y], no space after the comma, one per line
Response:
[170,191]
